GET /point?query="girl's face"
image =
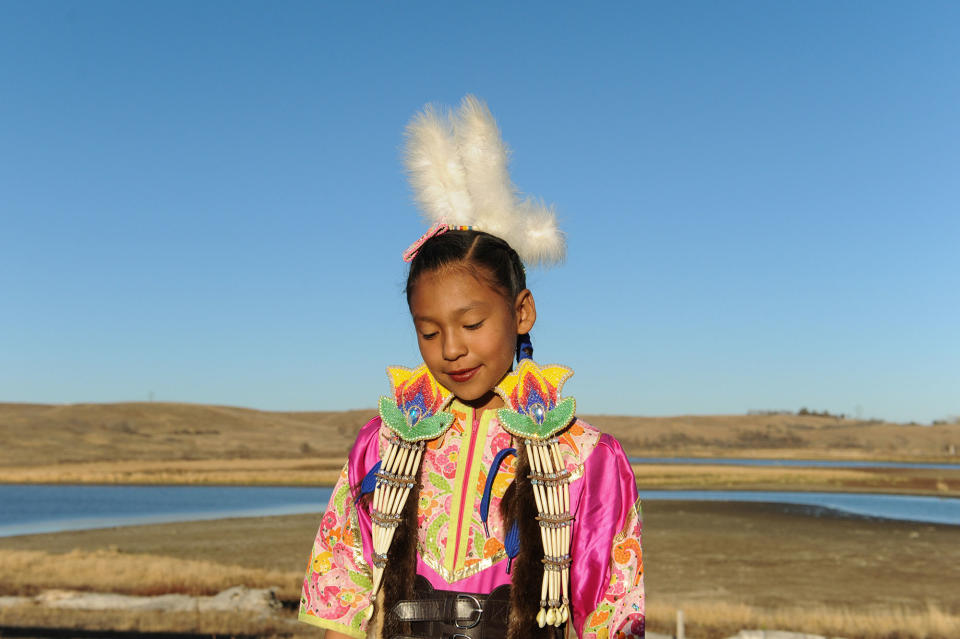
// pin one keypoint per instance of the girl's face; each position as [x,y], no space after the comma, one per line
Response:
[467,332]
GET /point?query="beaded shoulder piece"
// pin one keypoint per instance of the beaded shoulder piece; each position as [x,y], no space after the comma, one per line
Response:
[416,411]
[533,396]
[535,415]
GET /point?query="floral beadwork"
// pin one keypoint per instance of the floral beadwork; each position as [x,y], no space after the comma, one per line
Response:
[533,393]
[415,414]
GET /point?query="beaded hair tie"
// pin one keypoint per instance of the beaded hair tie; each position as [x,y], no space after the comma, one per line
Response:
[437,229]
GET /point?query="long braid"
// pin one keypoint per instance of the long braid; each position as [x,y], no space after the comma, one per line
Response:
[518,505]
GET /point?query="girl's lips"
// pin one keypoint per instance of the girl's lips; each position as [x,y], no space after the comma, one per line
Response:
[463,375]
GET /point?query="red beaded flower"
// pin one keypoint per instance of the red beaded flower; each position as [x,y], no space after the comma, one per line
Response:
[416,412]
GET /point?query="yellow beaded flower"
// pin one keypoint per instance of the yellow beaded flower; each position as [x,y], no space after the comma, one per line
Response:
[536,410]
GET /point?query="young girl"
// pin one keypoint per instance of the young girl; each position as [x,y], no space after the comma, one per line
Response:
[476,504]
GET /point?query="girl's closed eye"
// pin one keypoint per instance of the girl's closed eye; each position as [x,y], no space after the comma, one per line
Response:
[473,327]
[428,335]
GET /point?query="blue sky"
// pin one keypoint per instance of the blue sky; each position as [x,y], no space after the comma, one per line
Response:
[205,201]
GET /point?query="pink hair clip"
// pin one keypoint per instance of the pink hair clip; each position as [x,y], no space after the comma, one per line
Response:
[437,229]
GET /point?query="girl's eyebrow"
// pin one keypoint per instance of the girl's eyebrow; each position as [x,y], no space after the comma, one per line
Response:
[458,312]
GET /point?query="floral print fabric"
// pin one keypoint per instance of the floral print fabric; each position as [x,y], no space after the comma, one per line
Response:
[337,587]
[620,614]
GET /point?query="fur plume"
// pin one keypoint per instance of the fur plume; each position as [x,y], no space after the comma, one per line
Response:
[485,157]
[457,165]
[538,241]
[436,172]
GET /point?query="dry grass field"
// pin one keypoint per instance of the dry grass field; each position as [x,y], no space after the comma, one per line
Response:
[155,442]
[728,566]
[44,434]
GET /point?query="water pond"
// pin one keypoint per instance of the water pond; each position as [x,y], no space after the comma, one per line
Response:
[28,509]
[796,463]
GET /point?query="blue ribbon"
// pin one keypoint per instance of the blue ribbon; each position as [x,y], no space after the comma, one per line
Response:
[369,483]
[512,542]
[494,469]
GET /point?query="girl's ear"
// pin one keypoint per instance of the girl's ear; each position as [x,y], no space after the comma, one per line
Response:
[525,311]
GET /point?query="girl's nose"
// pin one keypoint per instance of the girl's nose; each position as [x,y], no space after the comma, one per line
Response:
[453,346]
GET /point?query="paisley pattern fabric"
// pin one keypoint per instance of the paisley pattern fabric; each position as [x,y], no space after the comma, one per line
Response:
[620,613]
[456,554]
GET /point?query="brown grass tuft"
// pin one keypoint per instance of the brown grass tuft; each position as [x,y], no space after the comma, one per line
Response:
[716,620]
[25,572]
[220,624]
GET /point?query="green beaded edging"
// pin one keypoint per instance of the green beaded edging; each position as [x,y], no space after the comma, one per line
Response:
[425,428]
[524,426]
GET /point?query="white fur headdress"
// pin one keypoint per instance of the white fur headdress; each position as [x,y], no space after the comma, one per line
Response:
[457,164]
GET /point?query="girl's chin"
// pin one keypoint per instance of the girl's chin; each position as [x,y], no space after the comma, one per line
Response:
[486,400]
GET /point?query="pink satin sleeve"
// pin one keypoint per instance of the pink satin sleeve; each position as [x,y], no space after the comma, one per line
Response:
[363,456]
[603,503]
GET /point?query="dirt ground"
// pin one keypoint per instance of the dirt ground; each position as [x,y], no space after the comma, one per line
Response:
[771,555]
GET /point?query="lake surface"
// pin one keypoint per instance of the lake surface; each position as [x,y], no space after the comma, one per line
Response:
[29,509]
[804,463]
[938,510]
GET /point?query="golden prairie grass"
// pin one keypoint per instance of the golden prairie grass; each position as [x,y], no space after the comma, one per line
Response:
[781,436]
[221,624]
[26,572]
[168,443]
[284,471]
[729,566]
[703,620]
[718,619]
[43,435]
[325,470]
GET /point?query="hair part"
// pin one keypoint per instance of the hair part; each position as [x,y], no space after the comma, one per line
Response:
[485,255]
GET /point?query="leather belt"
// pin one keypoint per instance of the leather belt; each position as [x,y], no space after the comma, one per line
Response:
[443,614]
[464,609]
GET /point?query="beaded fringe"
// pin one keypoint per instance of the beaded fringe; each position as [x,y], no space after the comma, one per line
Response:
[551,490]
[397,476]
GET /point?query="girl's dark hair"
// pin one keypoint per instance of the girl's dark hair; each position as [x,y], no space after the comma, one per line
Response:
[486,256]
